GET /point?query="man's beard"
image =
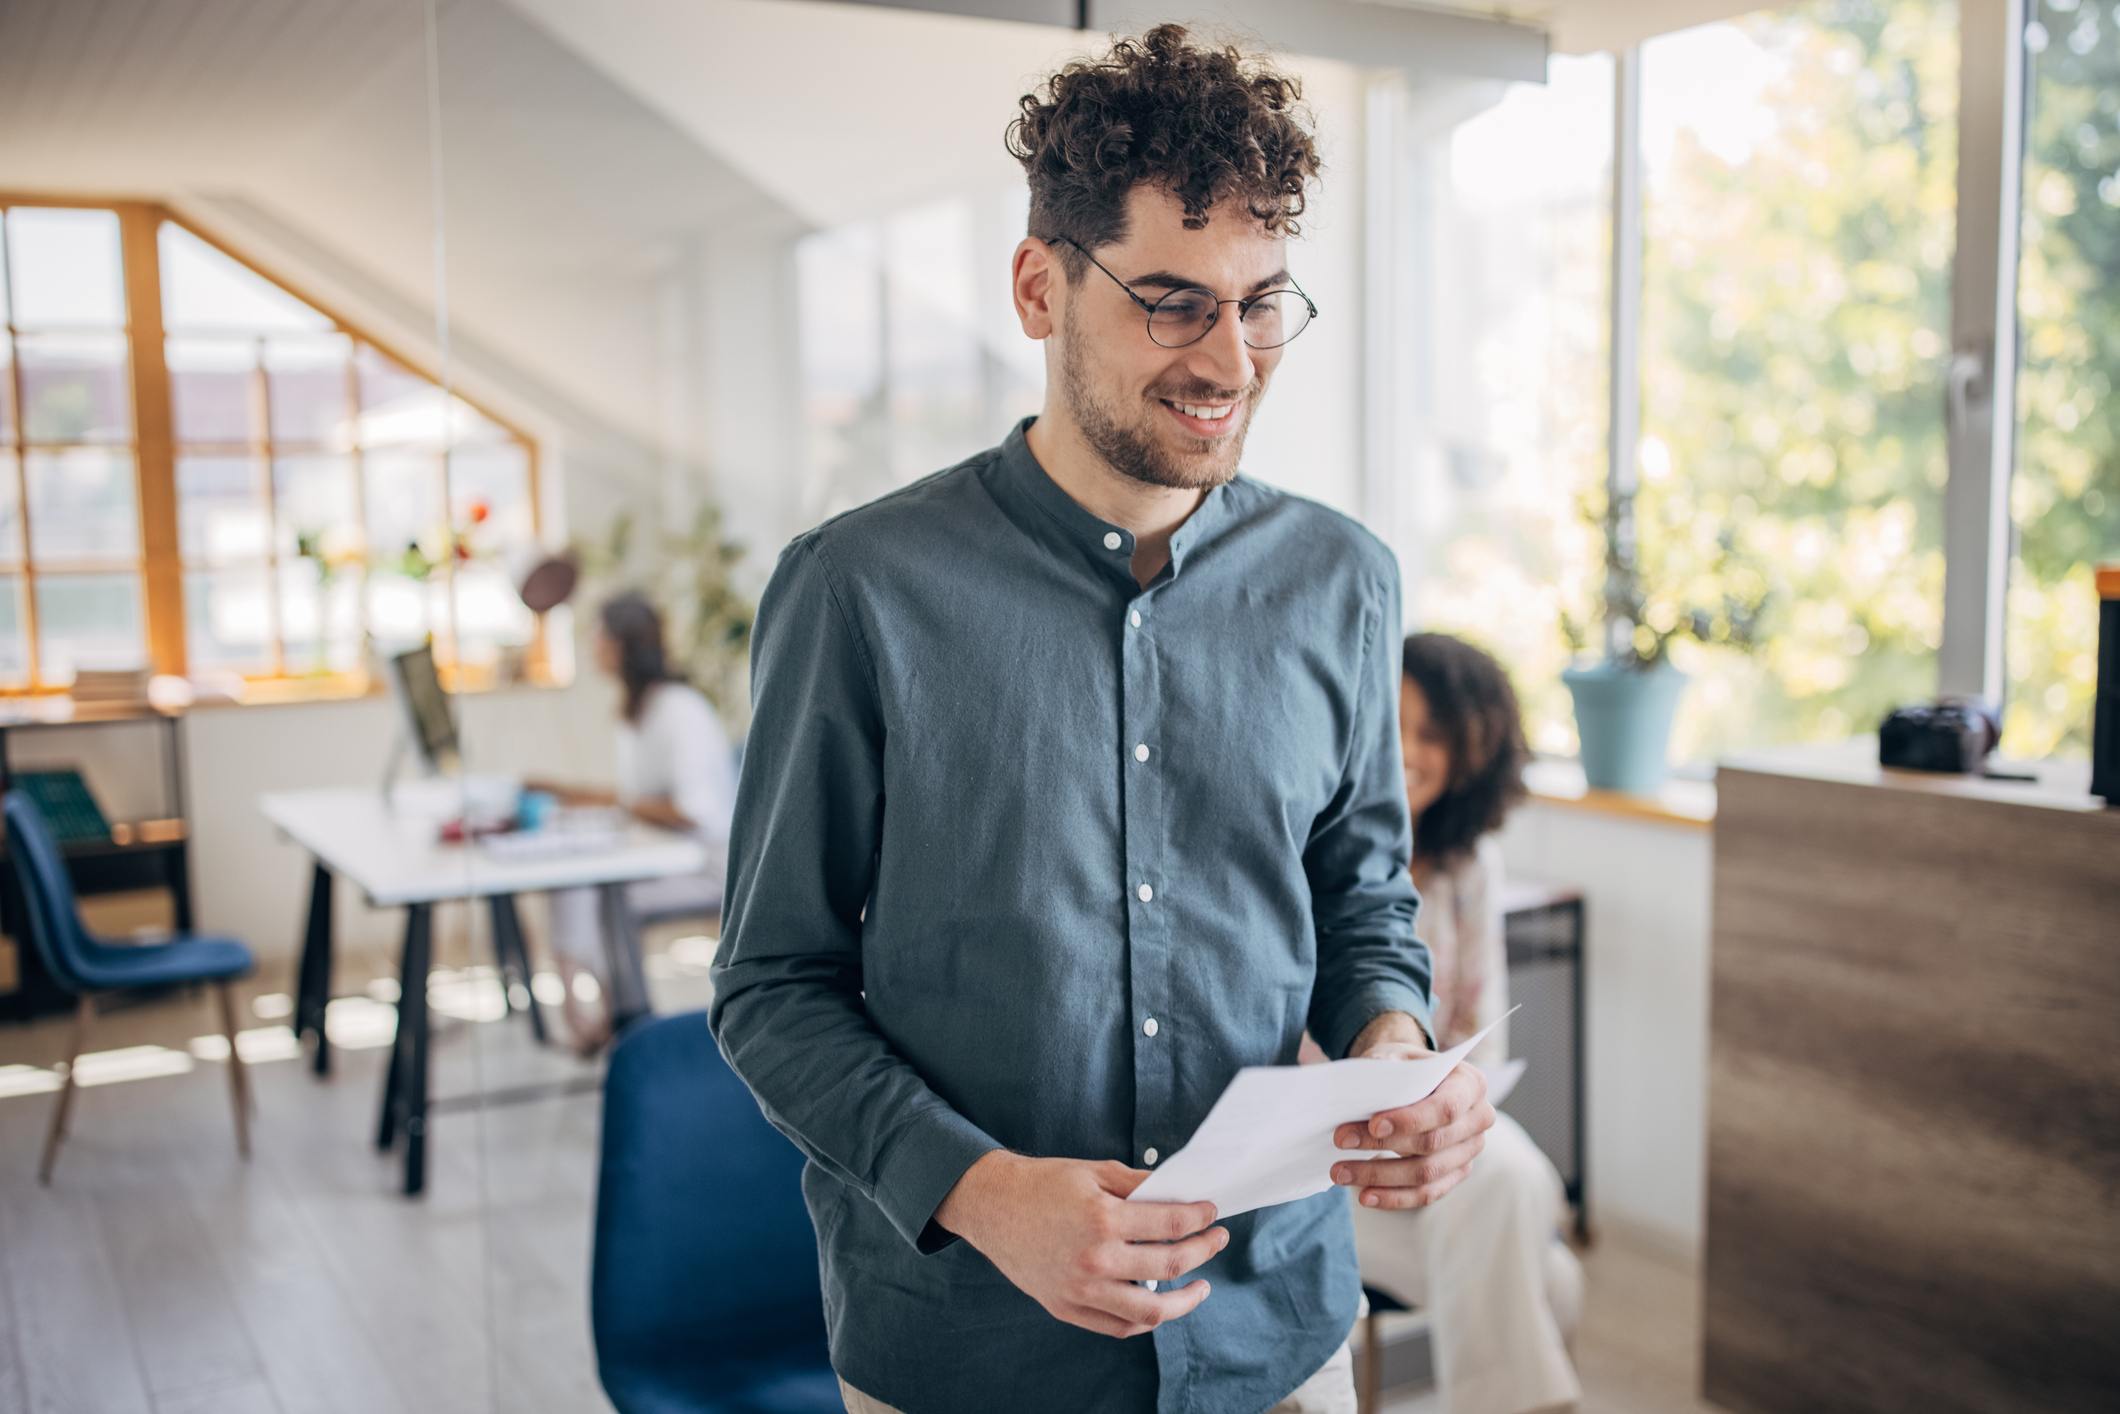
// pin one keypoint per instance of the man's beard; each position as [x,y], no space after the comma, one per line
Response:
[1132,449]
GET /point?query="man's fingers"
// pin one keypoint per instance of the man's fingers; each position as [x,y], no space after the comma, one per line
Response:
[1166,1261]
[1411,1197]
[1159,1222]
[1417,1143]
[1138,1306]
[1461,1097]
[1117,1179]
[1408,1173]
[1091,1319]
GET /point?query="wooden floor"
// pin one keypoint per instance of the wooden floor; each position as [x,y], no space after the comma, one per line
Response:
[161,1275]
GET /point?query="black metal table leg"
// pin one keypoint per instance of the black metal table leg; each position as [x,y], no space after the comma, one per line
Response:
[627,979]
[1582,1123]
[512,955]
[405,1086]
[313,983]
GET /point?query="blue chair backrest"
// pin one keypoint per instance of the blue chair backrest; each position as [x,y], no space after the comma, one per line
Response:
[47,891]
[705,1266]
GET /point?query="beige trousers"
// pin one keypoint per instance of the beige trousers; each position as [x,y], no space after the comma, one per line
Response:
[1329,1391]
[1487,1264]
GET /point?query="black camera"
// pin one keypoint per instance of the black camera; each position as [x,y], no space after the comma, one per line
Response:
[1951,735]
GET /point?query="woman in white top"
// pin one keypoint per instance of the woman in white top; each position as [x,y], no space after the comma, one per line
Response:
[674,769]
[1487,1263]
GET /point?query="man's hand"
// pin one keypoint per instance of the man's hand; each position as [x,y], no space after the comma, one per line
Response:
[1063,1232]
[1436,1140]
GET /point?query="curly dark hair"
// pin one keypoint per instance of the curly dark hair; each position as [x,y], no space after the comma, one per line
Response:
[1204,123]
[1473,705]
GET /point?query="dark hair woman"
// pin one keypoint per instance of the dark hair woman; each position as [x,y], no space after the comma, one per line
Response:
[674,769]
[629,646]
[1488,1264]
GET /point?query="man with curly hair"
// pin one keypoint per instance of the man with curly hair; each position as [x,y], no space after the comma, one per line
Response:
[1074,786]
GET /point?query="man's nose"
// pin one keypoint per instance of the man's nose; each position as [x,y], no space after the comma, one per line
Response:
[1222,357]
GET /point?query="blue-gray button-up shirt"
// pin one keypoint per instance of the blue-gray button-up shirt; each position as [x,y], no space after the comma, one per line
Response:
[1027,855]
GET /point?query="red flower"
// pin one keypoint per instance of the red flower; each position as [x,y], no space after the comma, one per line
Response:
[480,509]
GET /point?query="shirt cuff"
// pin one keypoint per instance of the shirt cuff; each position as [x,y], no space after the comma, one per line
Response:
[920,1168]
[1345,1021]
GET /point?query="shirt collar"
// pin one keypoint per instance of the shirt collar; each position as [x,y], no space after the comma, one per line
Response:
[1104,543]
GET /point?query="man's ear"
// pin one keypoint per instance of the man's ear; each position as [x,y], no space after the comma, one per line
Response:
[1034,280]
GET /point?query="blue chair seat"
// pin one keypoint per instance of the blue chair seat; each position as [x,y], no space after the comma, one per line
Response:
[105,967]
[704,1293]
[797,1385]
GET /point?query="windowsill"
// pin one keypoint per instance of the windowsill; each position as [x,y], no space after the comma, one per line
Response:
[1686,804]
[59,709]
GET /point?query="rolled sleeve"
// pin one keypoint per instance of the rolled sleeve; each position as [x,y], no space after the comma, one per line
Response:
[1362,898]
[788,1010]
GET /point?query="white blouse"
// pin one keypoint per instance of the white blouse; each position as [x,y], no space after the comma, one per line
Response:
[1461,921]
[679,750]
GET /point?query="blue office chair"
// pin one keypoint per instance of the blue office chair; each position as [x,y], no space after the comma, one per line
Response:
[85,966]
[703,1292]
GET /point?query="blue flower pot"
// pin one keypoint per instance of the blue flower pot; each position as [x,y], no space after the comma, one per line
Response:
[1624,719]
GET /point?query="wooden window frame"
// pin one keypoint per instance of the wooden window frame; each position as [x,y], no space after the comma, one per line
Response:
[154,446]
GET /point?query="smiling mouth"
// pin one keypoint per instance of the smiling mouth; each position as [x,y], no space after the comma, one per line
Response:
[1205,420]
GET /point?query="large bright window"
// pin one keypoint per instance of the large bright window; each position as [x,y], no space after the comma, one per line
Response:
[1507,356]
[1799,170]
[2065,491]
[70,559]
[313,502]
[911,359]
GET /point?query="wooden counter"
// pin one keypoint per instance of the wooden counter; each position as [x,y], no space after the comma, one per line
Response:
[1914,1091]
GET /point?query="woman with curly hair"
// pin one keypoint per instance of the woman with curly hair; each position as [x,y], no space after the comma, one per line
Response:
[1503,1291]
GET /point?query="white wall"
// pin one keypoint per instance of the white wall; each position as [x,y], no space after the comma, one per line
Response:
[1646,913]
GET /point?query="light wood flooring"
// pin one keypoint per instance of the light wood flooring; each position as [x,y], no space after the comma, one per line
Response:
[161,1275]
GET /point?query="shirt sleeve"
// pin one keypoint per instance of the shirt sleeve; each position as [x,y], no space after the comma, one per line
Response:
[1362,900]
[788,1010]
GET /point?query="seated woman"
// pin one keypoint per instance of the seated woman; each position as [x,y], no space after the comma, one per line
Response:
[675,769]
[1486,1262]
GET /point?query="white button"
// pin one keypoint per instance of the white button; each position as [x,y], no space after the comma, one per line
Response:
[1149,1157]
[1141,752]
[1112,540]
[1149,1027]
[1144,893]
[1134,618]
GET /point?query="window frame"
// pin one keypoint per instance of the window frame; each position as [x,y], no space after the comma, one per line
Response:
[160,562]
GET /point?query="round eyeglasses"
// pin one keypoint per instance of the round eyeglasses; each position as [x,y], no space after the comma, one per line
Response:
[1269,319]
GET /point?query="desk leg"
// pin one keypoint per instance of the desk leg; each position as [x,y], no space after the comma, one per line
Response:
[1582,1124]
[405,1086]
[313,985]
[622,963]
[512,956]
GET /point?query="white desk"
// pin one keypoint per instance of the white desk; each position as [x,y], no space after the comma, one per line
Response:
[391,851]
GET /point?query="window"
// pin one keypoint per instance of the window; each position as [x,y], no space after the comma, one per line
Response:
[315,500]
[910,354]
[1505,326]
[70,562]
[2065,489]
[1799,170]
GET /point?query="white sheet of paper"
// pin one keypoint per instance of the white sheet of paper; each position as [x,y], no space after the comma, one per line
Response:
[1501,1079]
[1268,1139]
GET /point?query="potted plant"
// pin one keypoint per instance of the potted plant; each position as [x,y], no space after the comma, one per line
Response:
[1625,700]
[689,574]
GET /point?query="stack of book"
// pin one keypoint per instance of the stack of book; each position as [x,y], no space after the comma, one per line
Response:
[97,687]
